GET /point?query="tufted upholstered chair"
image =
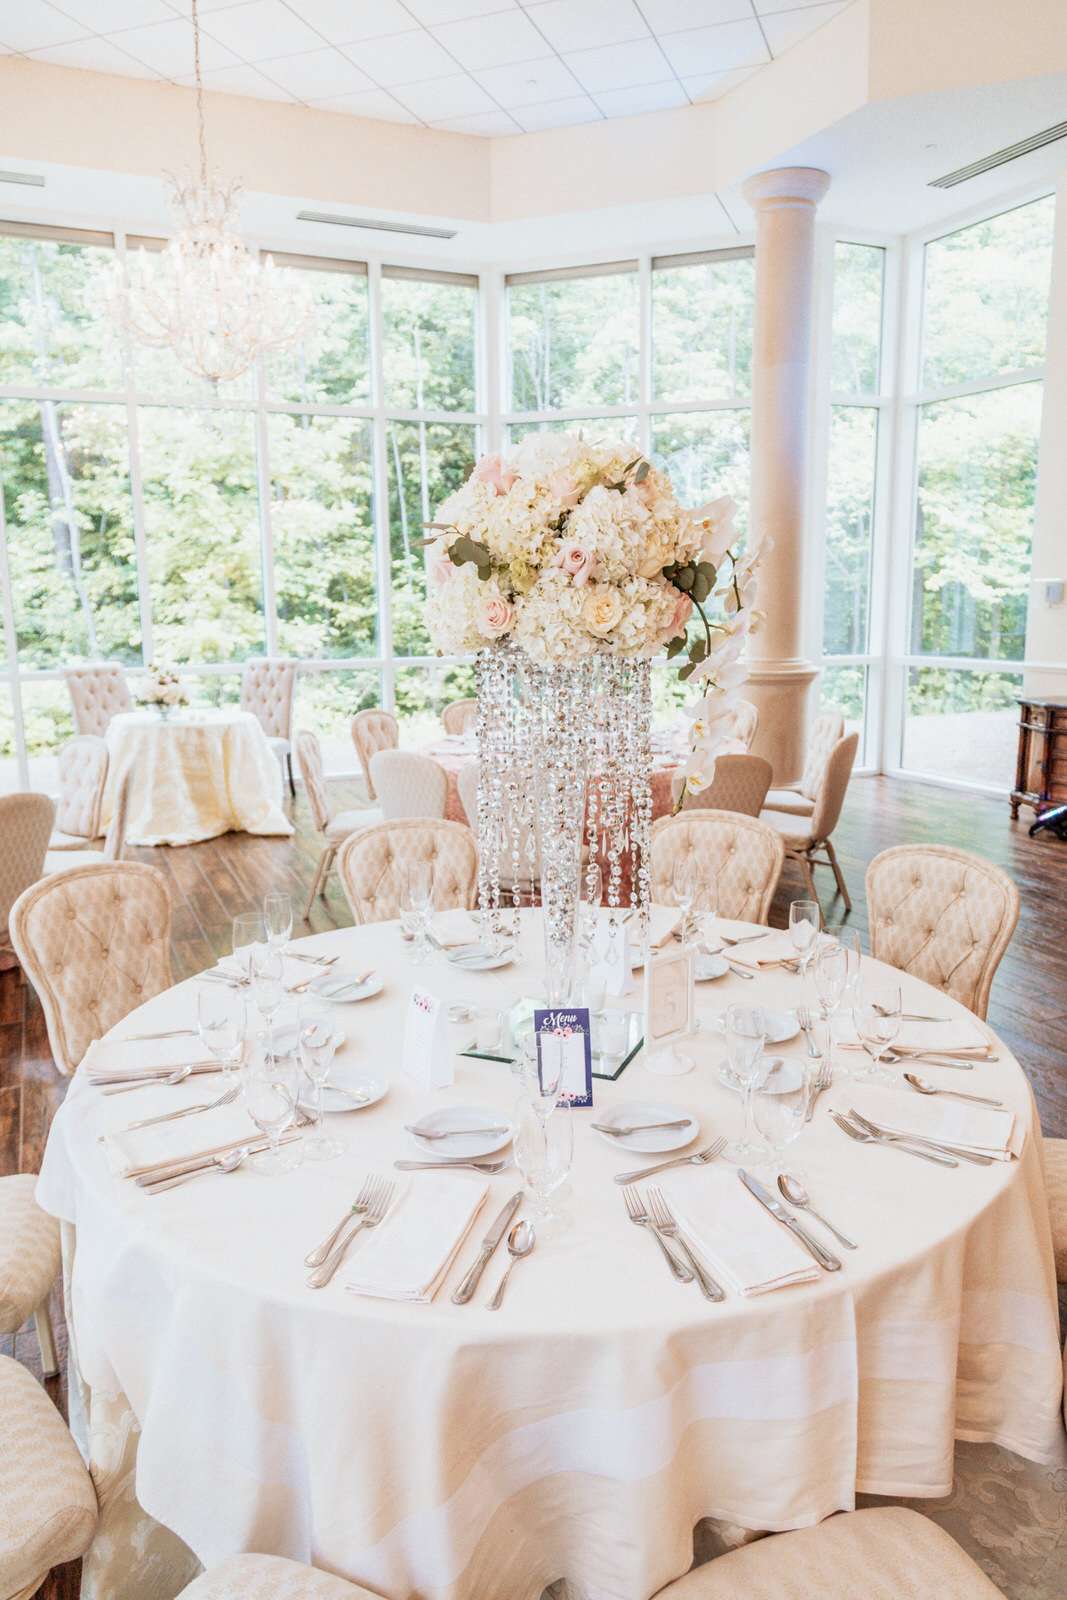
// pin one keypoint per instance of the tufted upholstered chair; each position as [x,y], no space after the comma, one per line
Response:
[798,800]
[25,824]
[29,1261]
[884,1553]
[372,731]
[267,689]
[82,776]
[943,914]
[335,829]
[97,693]
[271,1578]
[740,784]
[455,716]
[114,839]
[47,1501]
[367,865]
[743,854]
[94,942]
[743,723]
[805,837]
[408,785]
[1056,1188]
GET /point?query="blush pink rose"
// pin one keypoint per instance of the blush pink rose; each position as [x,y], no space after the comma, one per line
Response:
[564,488]
[438,564]
[492,470]
[576,560]
[683,610]
[493,615]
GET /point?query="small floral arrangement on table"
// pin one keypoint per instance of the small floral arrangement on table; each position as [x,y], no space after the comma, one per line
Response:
[161,687]
[567,547]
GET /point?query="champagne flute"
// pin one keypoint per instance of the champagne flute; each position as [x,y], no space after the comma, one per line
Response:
[780,1106]
[745,1028]
[804,919]
[315,1034]
[267,987]
[420,892]
[683,882]
[249,931]
[278,918]
[877,1016]
[830,975]
[270,1091]
[220,1019]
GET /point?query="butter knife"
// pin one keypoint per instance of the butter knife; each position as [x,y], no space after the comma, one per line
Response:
[465,1290]
[828,1262]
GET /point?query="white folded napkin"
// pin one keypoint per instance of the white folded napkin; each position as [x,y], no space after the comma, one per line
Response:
[984,1129]
[292,971]
[114,1057]
[663,921]
[732,1230]
[412,1250]
[199,1134]
[454,928]
[963,1036]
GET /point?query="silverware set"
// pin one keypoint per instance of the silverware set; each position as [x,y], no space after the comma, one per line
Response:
[666,1226]
[944,1155]
[368,1215]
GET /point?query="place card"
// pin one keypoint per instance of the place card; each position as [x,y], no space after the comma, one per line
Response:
[566,1031]
[669,1010]
[427,1041]
[609,958]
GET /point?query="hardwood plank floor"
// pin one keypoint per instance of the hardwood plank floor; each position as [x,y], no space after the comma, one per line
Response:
[210,883]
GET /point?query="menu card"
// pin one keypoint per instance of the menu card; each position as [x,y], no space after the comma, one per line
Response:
[566,1032]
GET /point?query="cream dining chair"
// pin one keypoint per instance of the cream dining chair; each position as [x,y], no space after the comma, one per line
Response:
[741,853]
[805,837]
[743,723]
[270,1578]
[369,863]
[25,825]
[799,799]
[455,715]
[95,943]
[115,837]
[83,763]
[408,785]
[740,783]
[372,731]
[29,1261]
[97,693]
[335,828]
[267,689]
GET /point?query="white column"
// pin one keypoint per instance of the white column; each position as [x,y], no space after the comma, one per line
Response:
[780,677]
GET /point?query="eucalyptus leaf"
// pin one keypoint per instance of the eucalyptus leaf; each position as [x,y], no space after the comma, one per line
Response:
[701,587]
[642,472]
[676,646]
[467,470]
[698,650]
[684,580]
[685,673]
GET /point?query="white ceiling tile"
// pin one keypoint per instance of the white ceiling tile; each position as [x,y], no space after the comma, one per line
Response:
[316,74]
[105,16]
[34,25]
[432,12]
[260,30]
[787,28]
[671,16]
[444,97]
[167,47]
[557,114]
[719,49]
[528,83]
[94,55]
[764,8]
[244,80]
[487,125]
[344,21]
[701,90]
[403,58]
[619,66]
[491,41]
[642,97]
[374,103]
[593,23]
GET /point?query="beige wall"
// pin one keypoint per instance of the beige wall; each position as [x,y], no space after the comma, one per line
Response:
[1046,630]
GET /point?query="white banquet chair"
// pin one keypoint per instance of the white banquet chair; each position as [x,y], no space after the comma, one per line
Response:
[368,866]
[25,825]
[83,763]
[115,837]
[408,785]
[455,715]
[29,1261]
[741,853]
[805,837]
[740,784]
[799,799]
[372,731]
[335,828]
[97,693]
[743,723]
[267,689]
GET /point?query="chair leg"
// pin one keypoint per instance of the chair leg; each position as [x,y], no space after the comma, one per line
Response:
[318,883]
[314,887]
[838,874]
[292,780]
[42,1321]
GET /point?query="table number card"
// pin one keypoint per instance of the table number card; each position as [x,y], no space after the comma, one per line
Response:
[427,1041]
[669,1010]
[567,1031]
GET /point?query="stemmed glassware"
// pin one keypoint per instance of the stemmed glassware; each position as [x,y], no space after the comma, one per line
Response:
[684,884]
[267,989]
[416,903]
[543,1153]
[541,1078]
[831,976]
[249,932]
[876,1015]
[745,1028]
[278,918]
[780,1105]
[315,1033]
[220,1020]
[270,1088]
[804,919]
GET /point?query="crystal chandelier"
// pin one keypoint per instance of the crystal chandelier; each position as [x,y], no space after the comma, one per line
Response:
[207,298]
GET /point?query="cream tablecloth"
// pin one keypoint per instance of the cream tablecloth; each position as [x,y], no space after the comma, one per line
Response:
[583,1430]
[197,774]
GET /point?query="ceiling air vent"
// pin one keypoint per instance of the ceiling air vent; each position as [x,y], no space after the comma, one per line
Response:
[371,222]
[999,158]
[32,178]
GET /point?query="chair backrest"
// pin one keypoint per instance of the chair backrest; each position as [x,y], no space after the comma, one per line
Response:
[267,688]
[115,838]
[369,863]
[942,914]
[26,820]
[94,942]
[82,777]
[742,723]
[455,716]
[408,785]
[826,731]
[834,786]
[740,784]
[467,785]
[742,853]
[372,731]
[97,692]
[309,755]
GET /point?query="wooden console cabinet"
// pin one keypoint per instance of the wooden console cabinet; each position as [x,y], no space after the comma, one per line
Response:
[1041,768]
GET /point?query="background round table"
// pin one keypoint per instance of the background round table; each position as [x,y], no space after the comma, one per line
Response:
[583,1430]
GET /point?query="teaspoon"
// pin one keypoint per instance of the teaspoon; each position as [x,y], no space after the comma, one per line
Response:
[521,1241]
[797,1195]
[929,1088]
[227,1163]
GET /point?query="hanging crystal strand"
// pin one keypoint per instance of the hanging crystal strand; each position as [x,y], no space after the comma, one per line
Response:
[641,789]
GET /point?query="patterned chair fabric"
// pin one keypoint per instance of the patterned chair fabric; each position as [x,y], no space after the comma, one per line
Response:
[743,723]
[804,838]
[114,839]
[25,824]
[267,689]
[455,716]
[944,915]
[29,1262]
[334,829]
[368,864]
[97,693]
[827,730]
[742,853]
[408,785]
[83,765]
[1056,1186]
[740,784]
[271,1578]
[373,731]
[94,942]
[885,1553]
[47,1500]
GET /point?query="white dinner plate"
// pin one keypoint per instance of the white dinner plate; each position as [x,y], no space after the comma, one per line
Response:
[344,986]
[479,958]
[711,966]
[286,1037]
[781,1026]
[358,1079]
[461,1147]
[634,1111]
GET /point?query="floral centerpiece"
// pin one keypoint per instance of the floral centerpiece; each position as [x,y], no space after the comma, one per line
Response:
[161,687]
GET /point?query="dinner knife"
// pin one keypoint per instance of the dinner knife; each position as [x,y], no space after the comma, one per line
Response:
[828,1262]
[465,1290]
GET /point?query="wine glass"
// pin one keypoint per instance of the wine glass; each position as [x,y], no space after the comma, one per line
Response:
[220,1020]
[317,1043]
[420,902]
[684,884]
[780,1105]
[876,1015]
[249,931]
[745,1028]
[804,919]
[267,989]
[542,1071]
[270,1089]
[543,1154]
[278,918]
[830,977]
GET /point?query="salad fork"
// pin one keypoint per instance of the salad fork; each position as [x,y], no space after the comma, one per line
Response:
[225,1099]
[803,1015]
[637,1212]
[973,1156]
[316,1257]
[864,1137]
[822,1080]
[701,1159]
[665,1223]
[379,1204]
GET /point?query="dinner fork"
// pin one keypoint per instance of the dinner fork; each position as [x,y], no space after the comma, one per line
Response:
[637,1211]
[701,1159]
[972,1156]
[379,1204]
[804,1019]
[666,1224]
[225,1099]
[823,1078]
[316,1257]
[874,1138]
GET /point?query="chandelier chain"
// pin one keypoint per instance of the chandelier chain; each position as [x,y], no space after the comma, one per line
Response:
[199,95]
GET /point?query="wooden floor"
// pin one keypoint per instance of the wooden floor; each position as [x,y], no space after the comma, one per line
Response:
[210,883]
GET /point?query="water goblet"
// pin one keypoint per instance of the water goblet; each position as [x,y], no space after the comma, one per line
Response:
[317,1043]
[830,977]
[876,1015]
[745,1028]
[267,989]
[542,1069]
[543,1154]
[779,1107]
[684,884]
[420,901]
[220,1020]
[278,919]
[804,919]
[270,1085]
[249,931]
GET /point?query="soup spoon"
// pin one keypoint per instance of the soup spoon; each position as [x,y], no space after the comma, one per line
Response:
[797,1195]
[521,1241]
[929,1088]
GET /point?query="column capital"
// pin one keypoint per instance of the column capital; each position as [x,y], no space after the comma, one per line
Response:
[786,187]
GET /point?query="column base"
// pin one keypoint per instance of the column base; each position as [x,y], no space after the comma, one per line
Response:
[782,692]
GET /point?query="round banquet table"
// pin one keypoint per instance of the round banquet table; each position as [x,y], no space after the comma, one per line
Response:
[583,1430]
[196,774]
